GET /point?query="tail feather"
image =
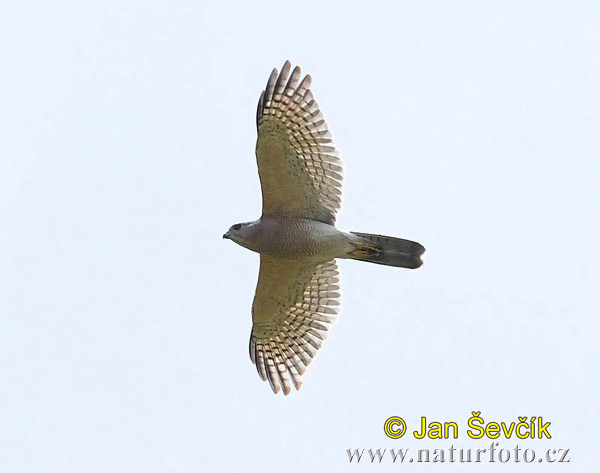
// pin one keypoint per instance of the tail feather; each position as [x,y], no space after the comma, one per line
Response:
[390,251]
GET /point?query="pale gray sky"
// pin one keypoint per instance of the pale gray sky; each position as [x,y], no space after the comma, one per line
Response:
[127,149]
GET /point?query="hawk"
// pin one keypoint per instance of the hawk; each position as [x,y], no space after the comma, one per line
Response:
[298,290]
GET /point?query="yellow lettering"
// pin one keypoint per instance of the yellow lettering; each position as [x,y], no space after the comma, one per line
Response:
[394,427]
[447,426]
[522,423]
[508,433]
[435,430]
[475,419]
[543,429]
[492,430]
[420,435]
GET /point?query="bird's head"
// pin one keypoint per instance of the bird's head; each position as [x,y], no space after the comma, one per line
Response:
[240,232]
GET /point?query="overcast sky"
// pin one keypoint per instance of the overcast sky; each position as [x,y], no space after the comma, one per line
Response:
[127,149]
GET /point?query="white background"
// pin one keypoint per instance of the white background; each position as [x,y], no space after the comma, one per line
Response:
[127,149]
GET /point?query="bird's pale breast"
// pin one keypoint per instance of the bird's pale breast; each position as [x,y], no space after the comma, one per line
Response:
[296,238]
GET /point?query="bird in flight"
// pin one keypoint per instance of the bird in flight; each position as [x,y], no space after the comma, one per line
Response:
[297,295]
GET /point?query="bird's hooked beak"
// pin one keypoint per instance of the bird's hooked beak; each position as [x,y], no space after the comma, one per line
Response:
[226,236]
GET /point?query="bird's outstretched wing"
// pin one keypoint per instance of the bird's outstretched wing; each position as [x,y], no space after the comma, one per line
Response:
[294,306]
[299,166]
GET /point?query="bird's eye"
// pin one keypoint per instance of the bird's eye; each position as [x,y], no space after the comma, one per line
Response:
[237,226]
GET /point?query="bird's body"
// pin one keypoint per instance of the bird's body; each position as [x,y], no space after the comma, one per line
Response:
[297,294]
[298,238]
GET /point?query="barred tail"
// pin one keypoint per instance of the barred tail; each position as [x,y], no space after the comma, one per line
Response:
[391,251]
